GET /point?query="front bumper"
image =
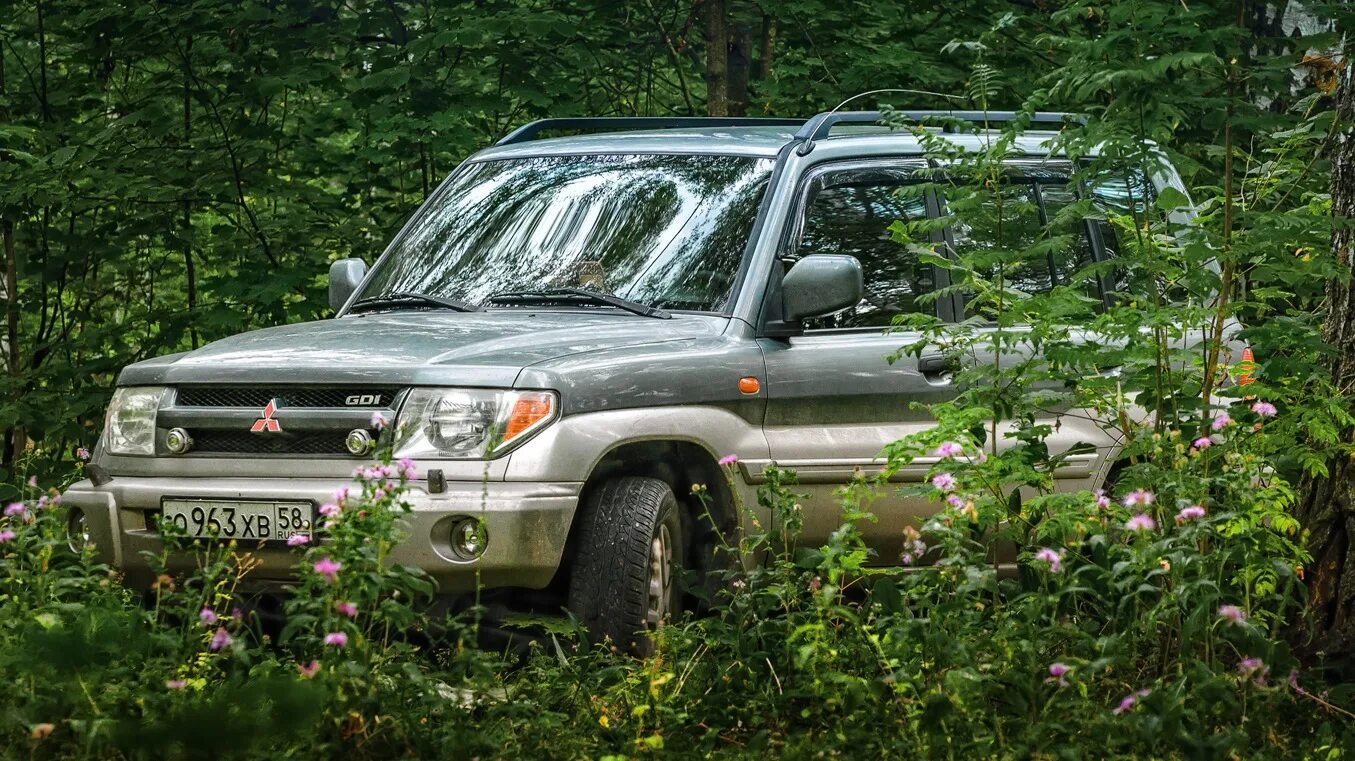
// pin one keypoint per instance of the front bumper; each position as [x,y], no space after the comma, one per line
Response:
[526,523]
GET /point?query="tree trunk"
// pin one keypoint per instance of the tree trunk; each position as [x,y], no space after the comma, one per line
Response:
[717,58]
[1327,510]
[740,65]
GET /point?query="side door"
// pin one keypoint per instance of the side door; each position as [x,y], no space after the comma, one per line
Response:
[833,399]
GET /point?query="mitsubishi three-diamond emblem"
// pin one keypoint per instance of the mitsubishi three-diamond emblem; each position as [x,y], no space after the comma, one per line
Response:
[267,423]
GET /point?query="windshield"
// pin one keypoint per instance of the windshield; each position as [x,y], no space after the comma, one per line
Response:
[663,230]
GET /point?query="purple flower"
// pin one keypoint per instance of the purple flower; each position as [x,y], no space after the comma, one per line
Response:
[207,616]
[1233,614]
[296,540]
[729,459]
[1192,513]
[329,509]
[1141,522]
[336,639]
[221,639]
[378,420]
[7,536]
[1255,668]
[943,481]
[949,449]
[1057,672]
[1221,422]
[1053,558]
[14,509]
[176,684]
[1130,701]
[82,454]
[1264,409]
[954,501]
[1204,442]
[346,609]
[328,568]
[1139,497]
[407,469]
[342,494]
[1102,501]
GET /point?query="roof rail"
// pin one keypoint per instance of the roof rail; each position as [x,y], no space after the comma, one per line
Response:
[606,123]
[820,125]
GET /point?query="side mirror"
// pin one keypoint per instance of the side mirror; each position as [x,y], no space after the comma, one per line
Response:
[344,277]
[820,285]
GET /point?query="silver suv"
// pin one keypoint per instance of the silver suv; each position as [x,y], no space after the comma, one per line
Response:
[565,337]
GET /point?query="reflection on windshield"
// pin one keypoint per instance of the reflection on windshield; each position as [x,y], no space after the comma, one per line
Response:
[667,231]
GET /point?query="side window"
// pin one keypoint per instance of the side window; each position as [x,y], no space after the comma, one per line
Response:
[1037,234]
[1120,197]
[850,211]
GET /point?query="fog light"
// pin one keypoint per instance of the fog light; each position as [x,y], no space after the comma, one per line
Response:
[178,441]
[77,530]
[359,442]
[469,538]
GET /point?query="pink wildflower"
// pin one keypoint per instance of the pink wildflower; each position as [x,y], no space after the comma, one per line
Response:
[176,684]
[949,449]
[329,509]
[738,584]
[1204,442]
[378,420]
[407,469]
[336,639]
[1141,522]
[729,459]
[14,509]
[1102,501]
[82,454]
[207,616]
[1255,668]
[954,501]
[296,540]
[1057,672]
[1264,409]
[1139,497]
[309,670]
[1130,701]
[328,568]
[943,481]
[1052,557]
[1192,513]
[7,536]
[33,481]
[1221,422]
[221,639]
[346,609]
[1233,614]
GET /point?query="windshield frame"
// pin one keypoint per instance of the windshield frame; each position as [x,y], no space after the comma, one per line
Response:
[741,275]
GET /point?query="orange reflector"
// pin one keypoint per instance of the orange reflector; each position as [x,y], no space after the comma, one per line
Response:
[1246,367]
[749,385]
[527,412]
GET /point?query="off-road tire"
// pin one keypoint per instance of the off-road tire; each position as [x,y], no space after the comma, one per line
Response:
[609,584]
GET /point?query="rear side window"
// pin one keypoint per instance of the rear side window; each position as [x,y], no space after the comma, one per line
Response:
[851,211]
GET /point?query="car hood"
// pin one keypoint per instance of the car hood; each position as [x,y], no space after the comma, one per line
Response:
[415,347]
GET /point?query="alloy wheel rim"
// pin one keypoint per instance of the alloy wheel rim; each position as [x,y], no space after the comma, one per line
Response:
[660,577]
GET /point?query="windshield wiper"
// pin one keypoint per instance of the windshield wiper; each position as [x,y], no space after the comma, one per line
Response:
[409,298]
[551,295]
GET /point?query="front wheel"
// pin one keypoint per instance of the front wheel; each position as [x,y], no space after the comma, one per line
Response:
[623,583]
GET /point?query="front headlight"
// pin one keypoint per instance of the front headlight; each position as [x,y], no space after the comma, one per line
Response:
[129,427]
[469,423]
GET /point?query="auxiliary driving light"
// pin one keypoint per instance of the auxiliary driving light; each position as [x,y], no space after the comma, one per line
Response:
[178,441]
[77,530]
[469,538]
[359,442]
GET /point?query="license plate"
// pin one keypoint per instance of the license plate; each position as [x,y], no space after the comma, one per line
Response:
[222,519]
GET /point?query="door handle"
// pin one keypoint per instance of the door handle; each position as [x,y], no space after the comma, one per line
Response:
[937,367]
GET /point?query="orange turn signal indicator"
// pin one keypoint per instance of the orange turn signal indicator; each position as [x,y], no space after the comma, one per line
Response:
[528,410]
[749,385]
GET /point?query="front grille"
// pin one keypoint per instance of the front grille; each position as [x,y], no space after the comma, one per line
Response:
[232,442]
[257,397]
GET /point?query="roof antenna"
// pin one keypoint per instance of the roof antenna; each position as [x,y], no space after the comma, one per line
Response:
[893,89]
